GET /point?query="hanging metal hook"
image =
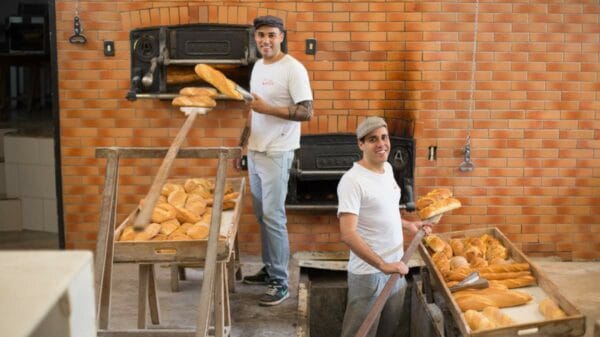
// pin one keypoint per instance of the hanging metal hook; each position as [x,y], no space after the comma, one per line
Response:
[78,38]
[467,165]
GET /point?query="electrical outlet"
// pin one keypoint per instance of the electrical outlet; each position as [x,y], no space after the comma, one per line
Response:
[311,46]
[109,48]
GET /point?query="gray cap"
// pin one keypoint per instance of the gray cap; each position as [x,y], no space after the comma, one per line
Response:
[269,20]
[369,124]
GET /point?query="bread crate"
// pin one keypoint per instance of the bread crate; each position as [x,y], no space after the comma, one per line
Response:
[528,320]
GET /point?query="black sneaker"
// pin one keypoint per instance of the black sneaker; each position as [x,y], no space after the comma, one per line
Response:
[259,278]
[274,295]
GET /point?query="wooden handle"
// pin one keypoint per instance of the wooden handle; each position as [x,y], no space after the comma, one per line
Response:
[143,218]
[385,293]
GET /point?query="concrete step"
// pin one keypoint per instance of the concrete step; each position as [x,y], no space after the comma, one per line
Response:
[11,219]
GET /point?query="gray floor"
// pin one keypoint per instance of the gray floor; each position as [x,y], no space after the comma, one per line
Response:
[577,281]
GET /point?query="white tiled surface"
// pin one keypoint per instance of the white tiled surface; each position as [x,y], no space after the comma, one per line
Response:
[11,215]
[30,176]
[2,132]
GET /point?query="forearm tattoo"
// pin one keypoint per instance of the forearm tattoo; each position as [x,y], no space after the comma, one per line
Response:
[301,112]
[245,135]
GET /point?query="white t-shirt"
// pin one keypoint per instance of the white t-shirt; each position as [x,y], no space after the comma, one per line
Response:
[282,83]
[374,198]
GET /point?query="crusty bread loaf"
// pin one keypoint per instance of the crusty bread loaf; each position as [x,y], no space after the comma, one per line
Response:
[179,75]
[439,207]
[434,242]
[457,262]
[185,215]
[159,237]
[551,310]
[504,276]
[194,101]
[495,315]
[128,234]
[218,80]
[198,91]
[478,299]
[518,282]
[494,251]
[163,212]
[169,226]
[177,198]
[148,233]
[432,197]
[504,268]
[168,188]
[497,260]
[477,321]
[478,262]
[458,247]
[198,231]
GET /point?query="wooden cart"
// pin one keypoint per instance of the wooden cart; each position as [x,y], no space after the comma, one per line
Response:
[213,253]
[532,323]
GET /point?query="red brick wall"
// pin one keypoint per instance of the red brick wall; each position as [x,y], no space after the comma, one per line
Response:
[535,127]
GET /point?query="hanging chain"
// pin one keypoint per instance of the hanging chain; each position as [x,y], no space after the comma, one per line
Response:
[473,71]
[77,8]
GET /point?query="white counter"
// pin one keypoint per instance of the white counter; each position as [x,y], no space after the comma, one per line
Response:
[47,293]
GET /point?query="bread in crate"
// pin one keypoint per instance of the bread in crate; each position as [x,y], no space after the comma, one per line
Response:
[182,212]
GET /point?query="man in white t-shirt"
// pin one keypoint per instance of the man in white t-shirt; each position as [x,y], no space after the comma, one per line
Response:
[371,226]
[282,100]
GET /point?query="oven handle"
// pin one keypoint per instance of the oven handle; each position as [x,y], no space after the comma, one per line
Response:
[205,61]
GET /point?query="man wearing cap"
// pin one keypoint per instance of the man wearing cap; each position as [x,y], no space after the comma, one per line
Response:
[282,100]
[371,226]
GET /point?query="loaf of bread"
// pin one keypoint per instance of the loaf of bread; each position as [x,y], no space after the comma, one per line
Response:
[168,188]
[169,226]
[478,299]
[198,91]
[499,318]
[179,75]
[185,215]
[218,80]
[517,282]
[148,233]
[458,247]
[439,207]
[551,310]
[128,234]
[159,237]
[504,276]
[434,242]
[477,321]
[163,212]
[457,262]
[478,262]
[504,268]
[194,101]
[198,231]
[432,197]
[177,198]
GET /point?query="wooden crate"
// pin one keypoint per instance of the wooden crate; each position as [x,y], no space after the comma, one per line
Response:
[192,251]
[572,325]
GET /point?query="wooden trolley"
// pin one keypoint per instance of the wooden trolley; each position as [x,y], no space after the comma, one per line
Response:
[214,254]
[572,325]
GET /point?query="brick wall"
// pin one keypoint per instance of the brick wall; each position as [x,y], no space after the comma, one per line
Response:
[535,128]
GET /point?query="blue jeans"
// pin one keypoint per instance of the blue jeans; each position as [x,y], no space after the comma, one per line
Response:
[269,173]
[362,293]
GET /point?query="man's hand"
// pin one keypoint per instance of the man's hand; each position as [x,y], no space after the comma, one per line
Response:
[260,105]
[237,164]
[392,268]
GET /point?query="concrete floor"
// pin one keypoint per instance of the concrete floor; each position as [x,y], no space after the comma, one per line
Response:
[578,281]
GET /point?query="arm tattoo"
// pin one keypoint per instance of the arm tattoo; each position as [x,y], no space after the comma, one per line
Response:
[301,111]
[244,136]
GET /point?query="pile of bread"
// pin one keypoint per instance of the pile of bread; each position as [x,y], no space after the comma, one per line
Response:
[204,97]
[436,202]
[182,212]
[457,258]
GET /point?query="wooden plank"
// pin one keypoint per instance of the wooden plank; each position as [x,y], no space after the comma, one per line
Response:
[573,325]
[211,250]
[174,278]
[155,332]
[219,316]
[158,152]
[153,297]
[144,269]
[104,243]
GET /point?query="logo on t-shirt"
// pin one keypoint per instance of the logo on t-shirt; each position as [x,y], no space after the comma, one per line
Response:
[268,82]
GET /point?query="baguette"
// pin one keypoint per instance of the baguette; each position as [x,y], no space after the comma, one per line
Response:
[196,91]
[551,310]
[218,80]
[503,268]
[492,296]
[477,321]
[439,207]
[517,282]
[497,317]
[194,101]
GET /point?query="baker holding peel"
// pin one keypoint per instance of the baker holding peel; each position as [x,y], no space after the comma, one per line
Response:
[282,99]
[371,226]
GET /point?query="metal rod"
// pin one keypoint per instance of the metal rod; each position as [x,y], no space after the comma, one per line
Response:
[205,61]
